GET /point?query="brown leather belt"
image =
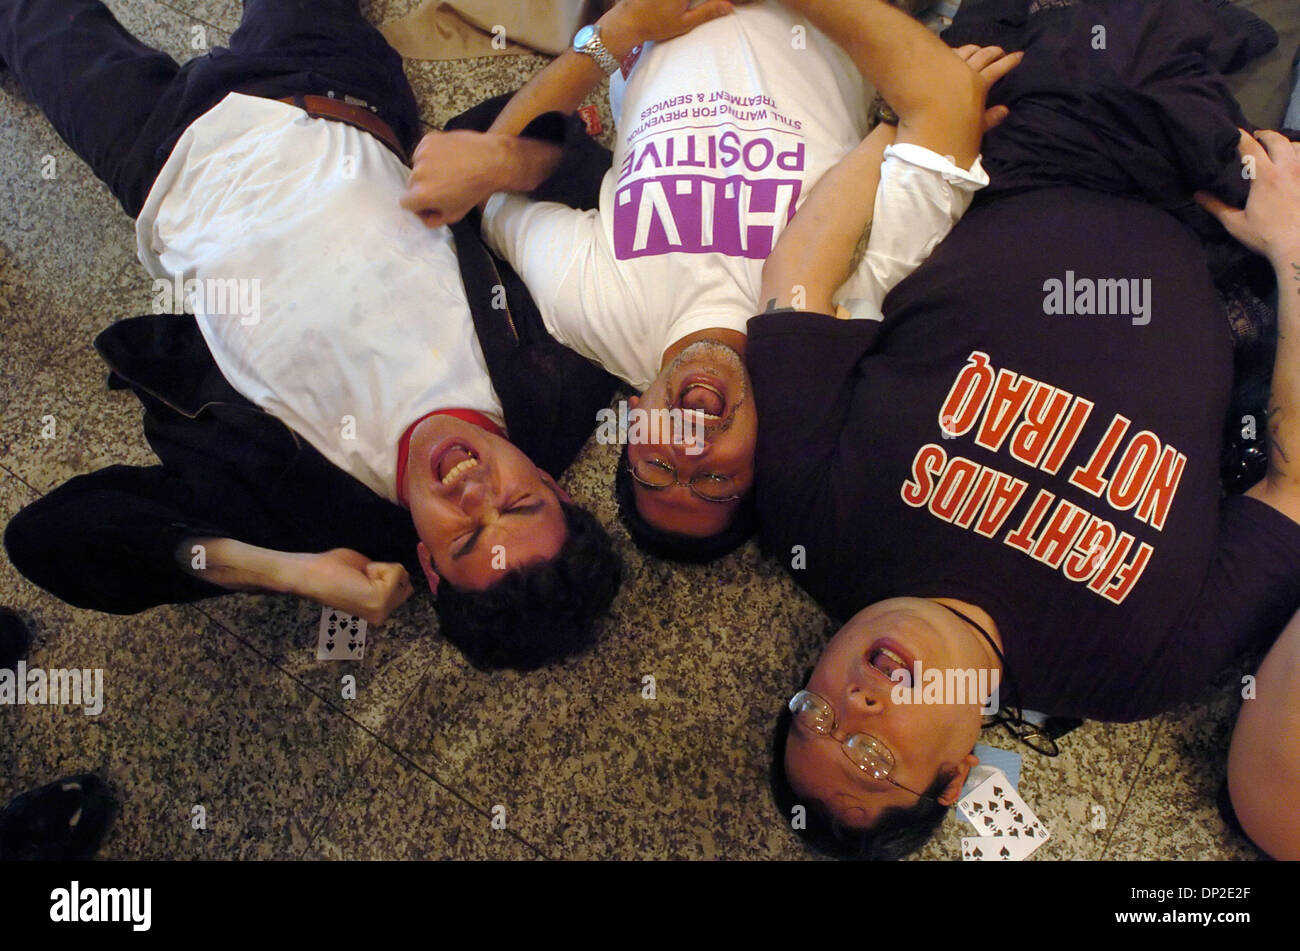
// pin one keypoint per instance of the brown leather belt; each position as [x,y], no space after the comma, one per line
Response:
[325,107]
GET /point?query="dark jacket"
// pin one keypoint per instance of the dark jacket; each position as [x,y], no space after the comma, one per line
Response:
[230,469]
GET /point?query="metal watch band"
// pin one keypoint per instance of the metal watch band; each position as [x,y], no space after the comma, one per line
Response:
[595,48]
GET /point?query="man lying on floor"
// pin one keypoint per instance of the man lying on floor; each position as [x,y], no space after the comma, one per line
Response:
[721,132]
[375,405]
[1016,469]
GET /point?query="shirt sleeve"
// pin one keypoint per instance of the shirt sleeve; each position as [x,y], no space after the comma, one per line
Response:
[803,368]
[558,252]
[920,197]
[1250,592]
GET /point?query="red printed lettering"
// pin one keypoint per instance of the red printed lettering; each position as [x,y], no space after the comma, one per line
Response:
[1010,392]
[1089,477]
[928,462]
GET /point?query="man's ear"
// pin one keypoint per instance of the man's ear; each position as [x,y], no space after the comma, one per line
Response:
[555,487]
[426,562]
[952,792]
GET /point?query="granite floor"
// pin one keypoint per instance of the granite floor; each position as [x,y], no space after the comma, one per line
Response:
[223,705]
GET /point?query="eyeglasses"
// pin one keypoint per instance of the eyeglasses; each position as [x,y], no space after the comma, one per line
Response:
[866,752]
[658,475]
[1039,737]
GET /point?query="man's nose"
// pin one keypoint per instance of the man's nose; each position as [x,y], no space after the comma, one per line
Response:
[477,500]
[690,448]
[691,439]
[866,697]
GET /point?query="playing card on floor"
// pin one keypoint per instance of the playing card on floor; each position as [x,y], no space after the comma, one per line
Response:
[996,809]
[340,636]
[997,848]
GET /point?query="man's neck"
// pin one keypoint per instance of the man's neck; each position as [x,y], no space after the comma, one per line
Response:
[984,620]
[732,338]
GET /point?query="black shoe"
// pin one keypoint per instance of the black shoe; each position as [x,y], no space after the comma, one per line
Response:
[63,822]
[15,639]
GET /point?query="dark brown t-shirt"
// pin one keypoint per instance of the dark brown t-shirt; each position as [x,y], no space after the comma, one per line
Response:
[1035,428]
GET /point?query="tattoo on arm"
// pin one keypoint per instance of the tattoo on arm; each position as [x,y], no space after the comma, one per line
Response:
[771,306]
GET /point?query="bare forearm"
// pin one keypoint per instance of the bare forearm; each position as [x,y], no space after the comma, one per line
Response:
[896,53]
[560,87]
[239,566]
[526,164]
[1284,403]
[814,255]
[568,80]
[530,163]
[1280,487]
[909,66]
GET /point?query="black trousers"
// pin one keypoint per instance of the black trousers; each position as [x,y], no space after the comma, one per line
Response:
[121,105]
[107,541]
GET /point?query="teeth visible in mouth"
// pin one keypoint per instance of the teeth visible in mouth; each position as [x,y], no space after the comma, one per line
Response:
[459,470]
[887,662]
[703,413]
[705,386]
[891,655]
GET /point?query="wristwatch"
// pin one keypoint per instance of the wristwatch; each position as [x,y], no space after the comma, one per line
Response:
[588,41]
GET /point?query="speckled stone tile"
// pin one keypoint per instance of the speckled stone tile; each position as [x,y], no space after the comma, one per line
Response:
[127,293]
[23,348]
[223,14]
[445,88]
[62,420]
[283,630]
[62,237]
[171,28]
[1172,813]
[381,11]
[64,240]
[396,812]
[1080,794]
[190,717]
[226,14]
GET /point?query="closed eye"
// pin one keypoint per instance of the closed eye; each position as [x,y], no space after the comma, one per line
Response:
[522,507]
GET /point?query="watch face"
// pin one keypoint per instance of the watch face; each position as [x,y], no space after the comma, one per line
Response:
[585,36]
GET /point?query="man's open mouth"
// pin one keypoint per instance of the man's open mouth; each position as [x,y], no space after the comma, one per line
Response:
[704,397]
[454,462]
[888,657]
